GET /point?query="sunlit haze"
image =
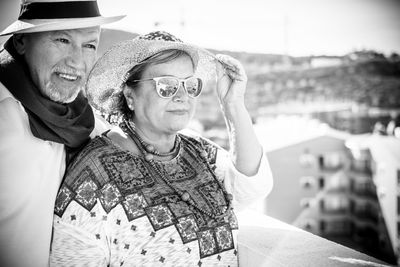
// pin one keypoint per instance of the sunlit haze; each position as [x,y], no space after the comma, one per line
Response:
[306,27]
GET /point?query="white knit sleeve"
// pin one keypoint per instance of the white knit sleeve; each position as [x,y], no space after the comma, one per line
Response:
[245,189]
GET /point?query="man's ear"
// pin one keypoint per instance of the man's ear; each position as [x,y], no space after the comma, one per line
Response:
[19,41]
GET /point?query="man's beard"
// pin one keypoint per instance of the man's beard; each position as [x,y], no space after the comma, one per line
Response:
[60,96]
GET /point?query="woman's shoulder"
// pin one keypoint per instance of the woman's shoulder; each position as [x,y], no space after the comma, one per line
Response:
[198,139]
[94,148]
[88,160]
[212,149]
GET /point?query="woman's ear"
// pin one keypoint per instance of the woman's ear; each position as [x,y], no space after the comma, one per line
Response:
[129,96]
[19,41]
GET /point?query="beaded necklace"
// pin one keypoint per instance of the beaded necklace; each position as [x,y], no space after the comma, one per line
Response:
[150,149]
[183,194]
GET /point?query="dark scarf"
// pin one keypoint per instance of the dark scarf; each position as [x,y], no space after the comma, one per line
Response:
[68,124]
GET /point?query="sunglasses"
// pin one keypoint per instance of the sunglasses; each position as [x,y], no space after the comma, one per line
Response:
[168,86]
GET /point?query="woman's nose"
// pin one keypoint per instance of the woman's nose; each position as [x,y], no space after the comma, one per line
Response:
[182,93]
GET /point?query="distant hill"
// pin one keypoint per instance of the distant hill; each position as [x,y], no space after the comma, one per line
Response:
[364,77]
[109,37]
[373,83]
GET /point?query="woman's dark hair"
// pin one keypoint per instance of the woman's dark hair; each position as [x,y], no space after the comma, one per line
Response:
[122,111]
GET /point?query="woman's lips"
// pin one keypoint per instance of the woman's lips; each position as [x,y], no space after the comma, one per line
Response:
[179,111]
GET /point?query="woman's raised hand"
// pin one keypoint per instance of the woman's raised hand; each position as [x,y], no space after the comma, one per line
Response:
[231,81]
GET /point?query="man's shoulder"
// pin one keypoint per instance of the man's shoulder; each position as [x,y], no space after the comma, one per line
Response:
[13,117]
[4,93]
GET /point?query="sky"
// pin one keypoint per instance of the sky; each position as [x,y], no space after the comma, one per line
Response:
[293,27]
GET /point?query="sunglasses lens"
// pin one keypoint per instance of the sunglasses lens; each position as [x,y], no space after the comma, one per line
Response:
[193,86]
[167,87]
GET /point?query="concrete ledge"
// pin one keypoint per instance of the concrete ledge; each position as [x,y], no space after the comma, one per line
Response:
[265,241]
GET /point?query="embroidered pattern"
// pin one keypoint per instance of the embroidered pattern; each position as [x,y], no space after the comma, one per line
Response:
[181,171]
[118,166]
[114,177]
[207,243]
[160,216]
[134,205]
[223,235]
[86,194]
[109,196]
[187,228]
[64,197]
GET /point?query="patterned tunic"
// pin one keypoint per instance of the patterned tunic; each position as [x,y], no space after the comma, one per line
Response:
[111,210]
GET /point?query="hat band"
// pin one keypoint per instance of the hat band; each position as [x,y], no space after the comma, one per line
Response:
[59,10]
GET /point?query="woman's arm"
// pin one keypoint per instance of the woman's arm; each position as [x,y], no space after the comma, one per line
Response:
[231,85]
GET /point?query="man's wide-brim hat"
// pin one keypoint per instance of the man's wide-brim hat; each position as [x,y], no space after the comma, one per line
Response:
[108,76]
[54,15]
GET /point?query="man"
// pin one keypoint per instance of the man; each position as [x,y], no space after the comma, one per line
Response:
[43,117]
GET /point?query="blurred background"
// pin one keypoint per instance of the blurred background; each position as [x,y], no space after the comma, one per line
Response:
[323,93]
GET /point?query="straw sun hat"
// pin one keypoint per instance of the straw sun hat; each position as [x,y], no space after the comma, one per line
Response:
[53,15]
[105,81]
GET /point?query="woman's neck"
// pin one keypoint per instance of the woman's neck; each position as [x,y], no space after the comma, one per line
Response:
[161,141]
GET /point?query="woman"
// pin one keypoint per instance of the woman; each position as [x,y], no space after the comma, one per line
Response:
[148,195]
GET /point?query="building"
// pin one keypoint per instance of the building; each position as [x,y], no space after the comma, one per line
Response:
[385,155]
[324,182]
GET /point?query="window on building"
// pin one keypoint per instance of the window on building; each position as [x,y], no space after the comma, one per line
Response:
[352,206]
[332,160]
[305,202]
[339,226]
[336,203]
[398,205]
[321,161]
[308,224]
[398,229]
[307,181]
[322,226]
[307,159]
[321,182]
[339,182]
[352,184]
[398,176]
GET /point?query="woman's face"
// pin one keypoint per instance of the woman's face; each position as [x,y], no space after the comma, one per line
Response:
[156,115]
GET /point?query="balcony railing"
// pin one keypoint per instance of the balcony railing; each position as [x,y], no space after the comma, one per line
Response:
[265,241]
[366,215]
[365,192]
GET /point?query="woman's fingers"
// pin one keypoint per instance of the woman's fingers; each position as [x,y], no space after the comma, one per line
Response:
[233,68]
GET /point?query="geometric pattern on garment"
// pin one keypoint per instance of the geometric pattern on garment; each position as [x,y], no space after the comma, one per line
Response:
[160,216]
[134,205]
[86,194]
[224,237]
[215,241]
[187,228]
[109,196]
[182,171]
[115,177]
[207,243]
[118,165]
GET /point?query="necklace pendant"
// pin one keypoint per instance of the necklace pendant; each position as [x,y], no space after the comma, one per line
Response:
[148,157]
[226,219]
[229,197]
[185,196]
[150,148]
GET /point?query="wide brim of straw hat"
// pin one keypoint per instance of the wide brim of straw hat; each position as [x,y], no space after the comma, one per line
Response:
[105,81]
[42,25]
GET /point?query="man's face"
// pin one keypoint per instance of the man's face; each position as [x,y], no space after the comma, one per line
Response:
[59,61]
